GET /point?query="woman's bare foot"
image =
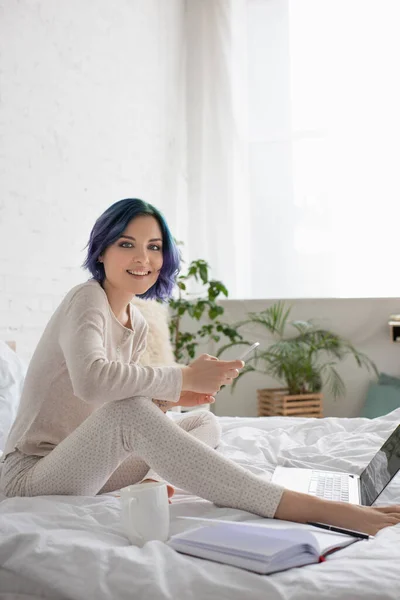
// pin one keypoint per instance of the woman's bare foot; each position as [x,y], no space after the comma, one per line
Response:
[170,488]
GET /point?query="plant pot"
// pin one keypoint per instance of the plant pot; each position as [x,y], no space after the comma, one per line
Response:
[276,402]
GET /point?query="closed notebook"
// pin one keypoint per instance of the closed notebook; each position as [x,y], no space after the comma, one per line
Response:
[260,549]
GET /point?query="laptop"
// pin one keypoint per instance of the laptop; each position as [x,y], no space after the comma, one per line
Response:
[361,489]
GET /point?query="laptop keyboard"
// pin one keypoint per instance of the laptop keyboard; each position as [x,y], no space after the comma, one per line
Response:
[330,486]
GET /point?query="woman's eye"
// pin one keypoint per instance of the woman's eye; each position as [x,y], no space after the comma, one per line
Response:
[155,247]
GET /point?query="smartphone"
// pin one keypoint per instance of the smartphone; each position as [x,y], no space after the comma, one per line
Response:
[248,351]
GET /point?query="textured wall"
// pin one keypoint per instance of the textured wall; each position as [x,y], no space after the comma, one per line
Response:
[90,112]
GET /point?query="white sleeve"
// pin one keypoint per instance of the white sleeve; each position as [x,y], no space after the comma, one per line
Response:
[94,377]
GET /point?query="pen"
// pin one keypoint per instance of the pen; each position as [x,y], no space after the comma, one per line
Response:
[357,534]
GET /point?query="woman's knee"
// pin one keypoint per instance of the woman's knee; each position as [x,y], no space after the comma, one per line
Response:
[122,409]
[205,421]
[214,426]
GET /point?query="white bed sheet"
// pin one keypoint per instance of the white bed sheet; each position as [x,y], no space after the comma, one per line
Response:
[74,547]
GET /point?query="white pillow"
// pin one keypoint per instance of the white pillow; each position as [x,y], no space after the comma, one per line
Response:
[12,374]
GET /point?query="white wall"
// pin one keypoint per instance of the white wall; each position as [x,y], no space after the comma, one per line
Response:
[90,113]
[364,322]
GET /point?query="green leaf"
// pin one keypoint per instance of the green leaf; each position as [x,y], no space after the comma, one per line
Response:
[222,288]
[215,289]
[203,271]
[196,310]
[191,350]
[215,311]
[192,271]
[213,293]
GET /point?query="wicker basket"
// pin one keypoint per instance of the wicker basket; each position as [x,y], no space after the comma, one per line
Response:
[277,402]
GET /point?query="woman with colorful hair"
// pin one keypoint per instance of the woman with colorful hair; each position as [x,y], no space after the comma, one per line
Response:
[92,420]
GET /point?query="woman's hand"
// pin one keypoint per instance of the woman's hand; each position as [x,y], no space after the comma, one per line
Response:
[207,374]
[302,508]
[371,519]
[194,399]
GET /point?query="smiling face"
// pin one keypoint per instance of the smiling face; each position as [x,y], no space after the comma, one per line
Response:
[133,262]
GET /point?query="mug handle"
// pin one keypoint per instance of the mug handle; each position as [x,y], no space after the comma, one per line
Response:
[134,531]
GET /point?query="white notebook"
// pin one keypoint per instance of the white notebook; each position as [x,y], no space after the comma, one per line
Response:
[260,549]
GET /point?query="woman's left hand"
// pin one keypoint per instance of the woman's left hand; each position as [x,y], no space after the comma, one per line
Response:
[194,399]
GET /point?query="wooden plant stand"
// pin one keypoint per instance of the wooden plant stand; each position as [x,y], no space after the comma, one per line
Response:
[277,402]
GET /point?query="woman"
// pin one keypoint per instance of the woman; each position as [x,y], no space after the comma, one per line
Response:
[87,422]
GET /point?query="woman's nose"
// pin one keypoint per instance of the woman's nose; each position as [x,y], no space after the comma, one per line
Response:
[141,255]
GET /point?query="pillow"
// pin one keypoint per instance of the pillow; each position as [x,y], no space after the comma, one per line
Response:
[12,374]
[381,400]
[389,380]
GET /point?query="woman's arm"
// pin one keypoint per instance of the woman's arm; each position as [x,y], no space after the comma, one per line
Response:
[303,508]
[95,378]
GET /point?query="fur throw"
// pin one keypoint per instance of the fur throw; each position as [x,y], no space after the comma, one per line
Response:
[159,349]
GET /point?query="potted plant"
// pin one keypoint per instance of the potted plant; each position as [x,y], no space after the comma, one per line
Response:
[302,357]
[199,306]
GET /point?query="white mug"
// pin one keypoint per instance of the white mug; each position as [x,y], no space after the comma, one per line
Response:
[145,512]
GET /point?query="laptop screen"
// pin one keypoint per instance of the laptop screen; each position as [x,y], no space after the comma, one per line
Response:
[382,468]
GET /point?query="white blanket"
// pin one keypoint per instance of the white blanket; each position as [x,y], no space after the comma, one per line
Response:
[74,547]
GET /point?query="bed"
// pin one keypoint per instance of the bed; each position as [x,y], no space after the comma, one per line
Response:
[74,547]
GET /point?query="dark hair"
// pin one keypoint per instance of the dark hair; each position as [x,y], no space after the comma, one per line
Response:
[110,226]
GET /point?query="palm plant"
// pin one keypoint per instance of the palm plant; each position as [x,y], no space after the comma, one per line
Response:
[303,362]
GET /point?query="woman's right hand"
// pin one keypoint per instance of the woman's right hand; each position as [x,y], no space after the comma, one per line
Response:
[207,374]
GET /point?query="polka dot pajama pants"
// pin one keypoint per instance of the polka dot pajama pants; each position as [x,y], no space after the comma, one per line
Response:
[118,444]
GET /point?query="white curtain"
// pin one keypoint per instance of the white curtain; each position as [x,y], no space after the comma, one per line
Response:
[293,146]
[217,185]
